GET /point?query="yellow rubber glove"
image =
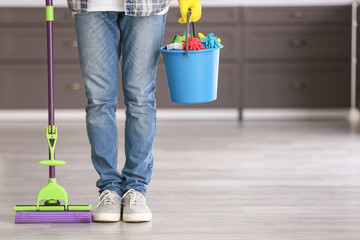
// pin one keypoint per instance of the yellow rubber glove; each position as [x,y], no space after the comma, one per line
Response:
[195,7]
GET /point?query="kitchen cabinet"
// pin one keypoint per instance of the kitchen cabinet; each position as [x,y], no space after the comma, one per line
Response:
[24,86]
[273,57]
[297,57]
[289,85]
[23,73]
[23,67]
[300,42]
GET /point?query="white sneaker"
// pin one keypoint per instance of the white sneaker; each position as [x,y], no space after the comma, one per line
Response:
[134,207]
[109,207]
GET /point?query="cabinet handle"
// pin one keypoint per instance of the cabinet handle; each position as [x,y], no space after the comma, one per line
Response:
[298,85]
[297,42]
[72,44]
[73,86]
[297,14]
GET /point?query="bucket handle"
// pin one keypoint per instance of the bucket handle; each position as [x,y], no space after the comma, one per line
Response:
[187,31]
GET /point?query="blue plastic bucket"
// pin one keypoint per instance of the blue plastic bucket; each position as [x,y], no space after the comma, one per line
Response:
[192,78]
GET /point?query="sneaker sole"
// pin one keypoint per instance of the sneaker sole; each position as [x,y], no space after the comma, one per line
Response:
[106,217]
[137,217]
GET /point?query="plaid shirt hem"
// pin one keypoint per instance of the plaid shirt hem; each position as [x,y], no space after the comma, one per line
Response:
[132,7]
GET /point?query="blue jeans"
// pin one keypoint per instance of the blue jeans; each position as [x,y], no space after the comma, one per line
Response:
[102,37]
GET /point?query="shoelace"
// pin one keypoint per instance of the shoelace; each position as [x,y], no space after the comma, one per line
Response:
[136,198]
[106,197]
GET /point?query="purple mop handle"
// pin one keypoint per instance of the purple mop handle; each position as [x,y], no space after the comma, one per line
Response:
[50,58]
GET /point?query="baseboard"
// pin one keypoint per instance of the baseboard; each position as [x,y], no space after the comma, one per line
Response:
[230,114]
[296,114]
[218,114]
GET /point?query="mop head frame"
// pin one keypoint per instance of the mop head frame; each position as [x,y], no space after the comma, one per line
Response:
[52,193]
[52,211]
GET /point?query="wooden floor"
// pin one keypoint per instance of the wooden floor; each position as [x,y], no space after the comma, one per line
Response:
[212,180]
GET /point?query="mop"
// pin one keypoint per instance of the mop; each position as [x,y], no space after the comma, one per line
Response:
[52,211]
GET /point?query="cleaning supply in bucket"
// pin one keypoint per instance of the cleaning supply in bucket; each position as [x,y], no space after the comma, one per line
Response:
[178,38]
[210,41]
[175,46]
[201,36]
[194,44]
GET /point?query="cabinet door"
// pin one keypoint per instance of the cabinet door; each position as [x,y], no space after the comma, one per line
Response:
[304,85]
[297,42]
[25,86]
[228,88]
[298,15]
[29,44]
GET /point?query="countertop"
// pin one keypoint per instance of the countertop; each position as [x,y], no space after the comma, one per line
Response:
[209,3]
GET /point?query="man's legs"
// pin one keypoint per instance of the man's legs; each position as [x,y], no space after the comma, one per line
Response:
[98,36]
[141,40]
